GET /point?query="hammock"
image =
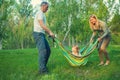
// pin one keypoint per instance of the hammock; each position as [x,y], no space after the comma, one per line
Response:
[77,60]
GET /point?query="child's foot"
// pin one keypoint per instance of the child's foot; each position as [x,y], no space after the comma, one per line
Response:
[107,63]
[101,63]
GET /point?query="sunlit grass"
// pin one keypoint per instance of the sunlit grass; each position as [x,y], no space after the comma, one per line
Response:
[23,65]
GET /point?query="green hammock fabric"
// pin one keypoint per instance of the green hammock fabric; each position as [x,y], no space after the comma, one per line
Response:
[77,60]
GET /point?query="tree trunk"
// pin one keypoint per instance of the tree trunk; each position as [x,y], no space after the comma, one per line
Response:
[0,44]
[69,41]
[73,41]
[22,45]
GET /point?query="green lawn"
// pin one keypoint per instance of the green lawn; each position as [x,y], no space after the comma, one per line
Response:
[23,65]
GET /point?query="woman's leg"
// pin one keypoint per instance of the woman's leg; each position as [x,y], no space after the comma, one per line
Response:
[103,49]
[101,57]
[100,53]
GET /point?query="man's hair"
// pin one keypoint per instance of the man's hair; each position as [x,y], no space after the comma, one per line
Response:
[44,3]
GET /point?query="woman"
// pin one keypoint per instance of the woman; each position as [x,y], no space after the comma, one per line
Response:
[101,31]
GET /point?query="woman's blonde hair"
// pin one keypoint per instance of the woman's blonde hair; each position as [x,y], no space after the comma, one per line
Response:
[97,23]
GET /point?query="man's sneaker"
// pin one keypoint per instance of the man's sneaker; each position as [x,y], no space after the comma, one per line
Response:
[43,72]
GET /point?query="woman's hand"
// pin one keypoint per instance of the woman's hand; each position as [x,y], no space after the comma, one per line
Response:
[91,40]
[99,39]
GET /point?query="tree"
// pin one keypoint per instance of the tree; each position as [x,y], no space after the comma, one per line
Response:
[18,24]
[4,8]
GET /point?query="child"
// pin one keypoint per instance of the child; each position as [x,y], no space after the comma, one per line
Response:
[75,50]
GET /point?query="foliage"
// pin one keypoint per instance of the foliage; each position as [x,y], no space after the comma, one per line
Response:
[4,8]
[19,25]
[74,15]
[68,19]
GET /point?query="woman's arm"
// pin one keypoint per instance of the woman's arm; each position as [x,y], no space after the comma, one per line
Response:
[92,37]
[105,30]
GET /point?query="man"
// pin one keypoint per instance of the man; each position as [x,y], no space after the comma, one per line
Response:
[39,36]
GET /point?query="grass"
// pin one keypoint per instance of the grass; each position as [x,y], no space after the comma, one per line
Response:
[23,65]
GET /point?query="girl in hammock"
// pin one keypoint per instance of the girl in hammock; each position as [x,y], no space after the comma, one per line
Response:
[100,29]
[75,50]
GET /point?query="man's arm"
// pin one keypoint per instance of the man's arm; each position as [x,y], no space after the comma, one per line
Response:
[46,28]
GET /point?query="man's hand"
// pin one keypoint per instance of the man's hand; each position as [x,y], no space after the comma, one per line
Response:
[52,35]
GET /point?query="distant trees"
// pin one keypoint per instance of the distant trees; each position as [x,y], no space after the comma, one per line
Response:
[16,24]
[73,15]
[4,13]
[67,18]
